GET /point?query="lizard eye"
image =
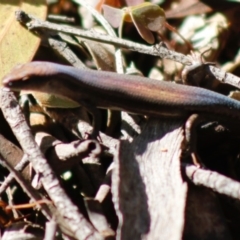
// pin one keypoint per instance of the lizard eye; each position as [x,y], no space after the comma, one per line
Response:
[9,84]
[25,78]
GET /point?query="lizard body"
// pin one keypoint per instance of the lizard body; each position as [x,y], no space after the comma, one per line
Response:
[133,94]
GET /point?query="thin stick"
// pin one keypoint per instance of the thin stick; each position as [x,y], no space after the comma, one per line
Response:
[213,180]
[156,50]
[19,167]
[69,216]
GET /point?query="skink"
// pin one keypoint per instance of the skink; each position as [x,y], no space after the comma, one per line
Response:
[133,94]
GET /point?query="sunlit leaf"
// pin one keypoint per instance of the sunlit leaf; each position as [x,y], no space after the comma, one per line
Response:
[113,15]
[134,2]
[17,44]
[53,101]
[146,17]
[149,15]
[144,32]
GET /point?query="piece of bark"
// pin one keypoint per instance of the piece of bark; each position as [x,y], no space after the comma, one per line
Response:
[148,191]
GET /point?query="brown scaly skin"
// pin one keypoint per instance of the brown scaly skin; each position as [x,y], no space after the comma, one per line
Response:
[133,94]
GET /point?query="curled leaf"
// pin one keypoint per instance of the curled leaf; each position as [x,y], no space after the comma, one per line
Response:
[146,17]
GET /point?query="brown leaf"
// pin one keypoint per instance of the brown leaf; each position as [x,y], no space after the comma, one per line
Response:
[17,44]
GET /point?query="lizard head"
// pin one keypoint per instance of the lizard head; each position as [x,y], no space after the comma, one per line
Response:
[30,76]
[43,81]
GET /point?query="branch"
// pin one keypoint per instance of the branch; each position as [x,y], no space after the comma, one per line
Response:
[70,217]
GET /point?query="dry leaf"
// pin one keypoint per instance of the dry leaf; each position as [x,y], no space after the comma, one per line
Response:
[17,44]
